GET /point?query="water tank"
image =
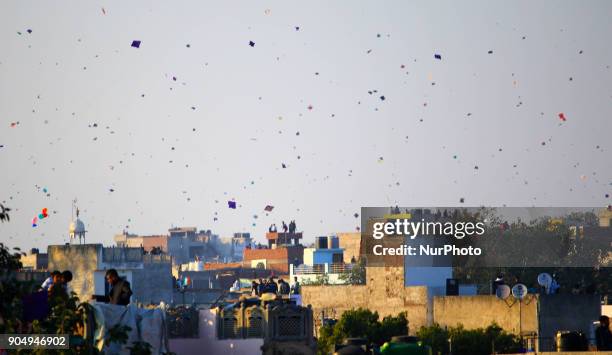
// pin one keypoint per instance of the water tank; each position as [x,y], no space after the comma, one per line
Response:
[321,243]
[404,345]
[333,242]
[452,287]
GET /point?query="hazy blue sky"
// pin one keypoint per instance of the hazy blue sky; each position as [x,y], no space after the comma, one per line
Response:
[439,119]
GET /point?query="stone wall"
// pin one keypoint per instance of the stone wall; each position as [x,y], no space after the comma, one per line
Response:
[351,243]
[384,293]
[480,311]
[81,260]
[544,315]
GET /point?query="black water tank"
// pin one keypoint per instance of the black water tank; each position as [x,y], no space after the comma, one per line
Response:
[571,341]
[452,287]
[350,350]
[404,339]
[356,341]
[352,346]
[321,243]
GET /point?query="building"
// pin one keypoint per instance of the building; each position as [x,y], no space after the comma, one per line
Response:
[34,260]
[322,264]
[326,251]
[150,276]
[350,242]
[147,242]
[239,242]
[283,249]
[186,244]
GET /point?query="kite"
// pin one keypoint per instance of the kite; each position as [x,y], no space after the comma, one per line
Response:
[562,117]
[269,208]
[136,44]
[438,57]
[231,204]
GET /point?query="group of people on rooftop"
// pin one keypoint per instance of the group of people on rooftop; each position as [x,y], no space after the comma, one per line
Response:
[281,288]
[291,228]
[58,285]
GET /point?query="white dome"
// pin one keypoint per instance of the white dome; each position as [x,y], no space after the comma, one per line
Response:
[77,227]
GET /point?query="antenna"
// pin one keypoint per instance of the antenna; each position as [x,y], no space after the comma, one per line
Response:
[519,291]
[545,280]
[502,292]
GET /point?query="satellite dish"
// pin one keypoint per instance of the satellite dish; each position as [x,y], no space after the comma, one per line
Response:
[544,280]
[502,292]
[519,291]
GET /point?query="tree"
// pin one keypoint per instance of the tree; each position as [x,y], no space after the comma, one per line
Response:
[321,279]
[356,275]
[492,339]
[66,315]
[361,323]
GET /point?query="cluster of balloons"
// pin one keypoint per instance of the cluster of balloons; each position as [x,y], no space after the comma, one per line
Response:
[40,216]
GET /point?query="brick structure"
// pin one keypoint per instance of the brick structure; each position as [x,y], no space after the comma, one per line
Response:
[221,266]
[277,259]
[147,242]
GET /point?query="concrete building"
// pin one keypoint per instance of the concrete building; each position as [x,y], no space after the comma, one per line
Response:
[536,316]
[323,263]
[34,260]
[239,242]
[326,251]
[147,242]
[283,249]
[186,244]
[350,242]
[150,276]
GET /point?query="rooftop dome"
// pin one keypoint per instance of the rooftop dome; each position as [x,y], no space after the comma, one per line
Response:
[76,227]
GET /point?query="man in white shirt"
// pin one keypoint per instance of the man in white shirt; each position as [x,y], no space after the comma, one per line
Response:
[54,278]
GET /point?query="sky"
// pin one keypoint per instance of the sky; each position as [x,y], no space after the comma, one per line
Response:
[316,108]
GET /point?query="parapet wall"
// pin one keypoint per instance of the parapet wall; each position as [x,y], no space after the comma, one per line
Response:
[481,311]
[384,293]
[81,260]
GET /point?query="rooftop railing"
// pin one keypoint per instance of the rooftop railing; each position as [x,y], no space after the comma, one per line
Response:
[318,269]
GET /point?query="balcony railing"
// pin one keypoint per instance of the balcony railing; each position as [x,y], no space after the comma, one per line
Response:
[318,269]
